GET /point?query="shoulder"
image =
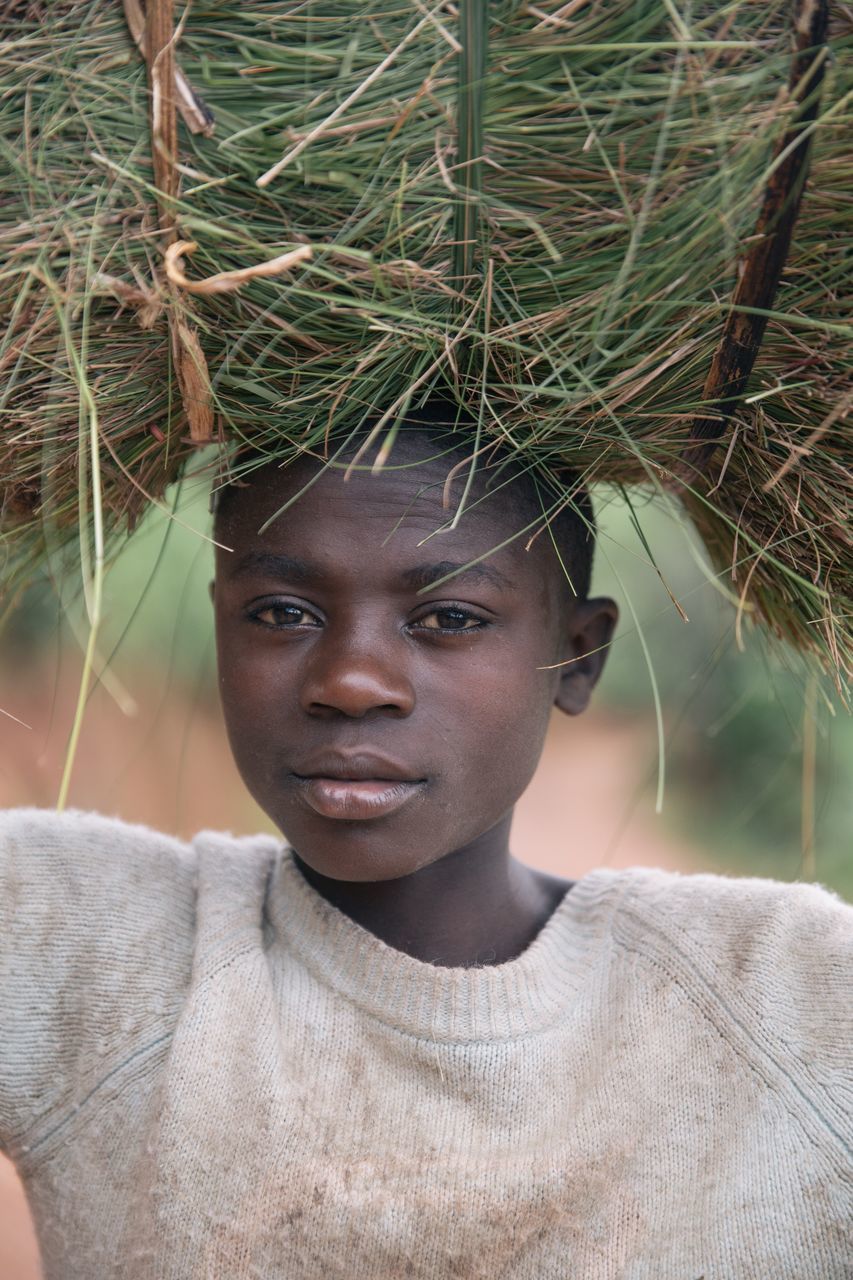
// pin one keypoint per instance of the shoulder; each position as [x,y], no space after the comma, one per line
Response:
[82,895]
[755,929]
[769,964]
[98,929]
[47,830]
[75,859]
[95,941]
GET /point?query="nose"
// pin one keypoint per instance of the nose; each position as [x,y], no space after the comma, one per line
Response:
[354,677]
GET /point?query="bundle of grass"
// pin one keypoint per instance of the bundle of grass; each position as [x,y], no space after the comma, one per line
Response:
[273,223]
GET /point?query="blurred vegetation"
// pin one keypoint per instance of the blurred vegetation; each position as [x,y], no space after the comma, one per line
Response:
[733,718]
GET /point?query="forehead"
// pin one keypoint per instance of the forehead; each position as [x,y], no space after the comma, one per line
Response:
[403,515]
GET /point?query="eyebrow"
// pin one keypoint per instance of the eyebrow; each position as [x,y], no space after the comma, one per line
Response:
[424,576]
[275,566]
[421,576]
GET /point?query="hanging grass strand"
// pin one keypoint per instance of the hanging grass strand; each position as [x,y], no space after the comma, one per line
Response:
[468,171]
[606,166]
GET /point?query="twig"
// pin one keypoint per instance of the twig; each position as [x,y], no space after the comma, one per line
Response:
[768,251]
[195,112]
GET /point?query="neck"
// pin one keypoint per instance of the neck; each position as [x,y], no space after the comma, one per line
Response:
[475,906]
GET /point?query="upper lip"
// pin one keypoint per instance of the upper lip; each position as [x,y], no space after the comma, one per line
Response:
[361,766]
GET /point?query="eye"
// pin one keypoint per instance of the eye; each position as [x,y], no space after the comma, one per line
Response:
[450,618]
[282,614]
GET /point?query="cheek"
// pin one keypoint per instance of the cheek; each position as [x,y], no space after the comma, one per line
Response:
[253,689]
[501,732]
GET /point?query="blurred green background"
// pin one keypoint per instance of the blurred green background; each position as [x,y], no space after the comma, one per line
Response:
[735,721]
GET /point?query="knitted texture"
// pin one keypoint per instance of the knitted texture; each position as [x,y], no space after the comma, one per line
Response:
[207,1071]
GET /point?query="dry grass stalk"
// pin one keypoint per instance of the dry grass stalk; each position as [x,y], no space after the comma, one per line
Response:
[616,157]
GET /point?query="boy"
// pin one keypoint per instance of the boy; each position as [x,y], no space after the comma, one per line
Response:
[393,1050]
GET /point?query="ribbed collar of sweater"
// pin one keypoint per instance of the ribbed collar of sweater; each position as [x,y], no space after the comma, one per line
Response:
[494,1002]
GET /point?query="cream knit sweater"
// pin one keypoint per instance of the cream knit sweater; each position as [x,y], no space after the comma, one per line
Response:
[207,1072]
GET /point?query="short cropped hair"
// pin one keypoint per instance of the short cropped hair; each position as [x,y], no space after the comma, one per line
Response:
[554,507]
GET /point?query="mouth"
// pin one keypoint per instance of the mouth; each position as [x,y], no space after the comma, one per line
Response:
[356,799]
[356,788]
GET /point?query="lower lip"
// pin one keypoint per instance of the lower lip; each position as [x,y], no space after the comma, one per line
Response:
[357,801]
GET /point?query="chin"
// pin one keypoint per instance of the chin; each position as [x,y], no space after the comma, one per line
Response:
[358,854]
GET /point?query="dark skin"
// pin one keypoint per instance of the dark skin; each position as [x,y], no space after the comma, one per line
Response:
[386,721]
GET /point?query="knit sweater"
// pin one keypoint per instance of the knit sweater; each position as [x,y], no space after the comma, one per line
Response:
[206,1071]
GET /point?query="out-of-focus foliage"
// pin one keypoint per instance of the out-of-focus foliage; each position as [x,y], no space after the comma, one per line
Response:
[734,719]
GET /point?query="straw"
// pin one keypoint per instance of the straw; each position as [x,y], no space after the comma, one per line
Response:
[605,167]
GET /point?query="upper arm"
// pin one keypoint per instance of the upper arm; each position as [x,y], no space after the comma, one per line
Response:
[96,923]
[781,960]
[771,965]
[807,998]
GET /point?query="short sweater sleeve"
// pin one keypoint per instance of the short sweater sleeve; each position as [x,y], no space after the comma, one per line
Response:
[96,931]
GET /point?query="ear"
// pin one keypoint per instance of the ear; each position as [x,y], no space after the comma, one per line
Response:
[589,630]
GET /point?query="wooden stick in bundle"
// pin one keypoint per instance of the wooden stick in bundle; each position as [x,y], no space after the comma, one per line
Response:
[195,113]
[571,283]
[170,93]
[768,252]
[189,359]
[160,57]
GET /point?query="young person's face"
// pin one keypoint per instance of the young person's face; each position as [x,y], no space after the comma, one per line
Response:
[382,725]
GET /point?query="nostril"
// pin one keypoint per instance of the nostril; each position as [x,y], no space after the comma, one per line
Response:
[351,713]
[357,690]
